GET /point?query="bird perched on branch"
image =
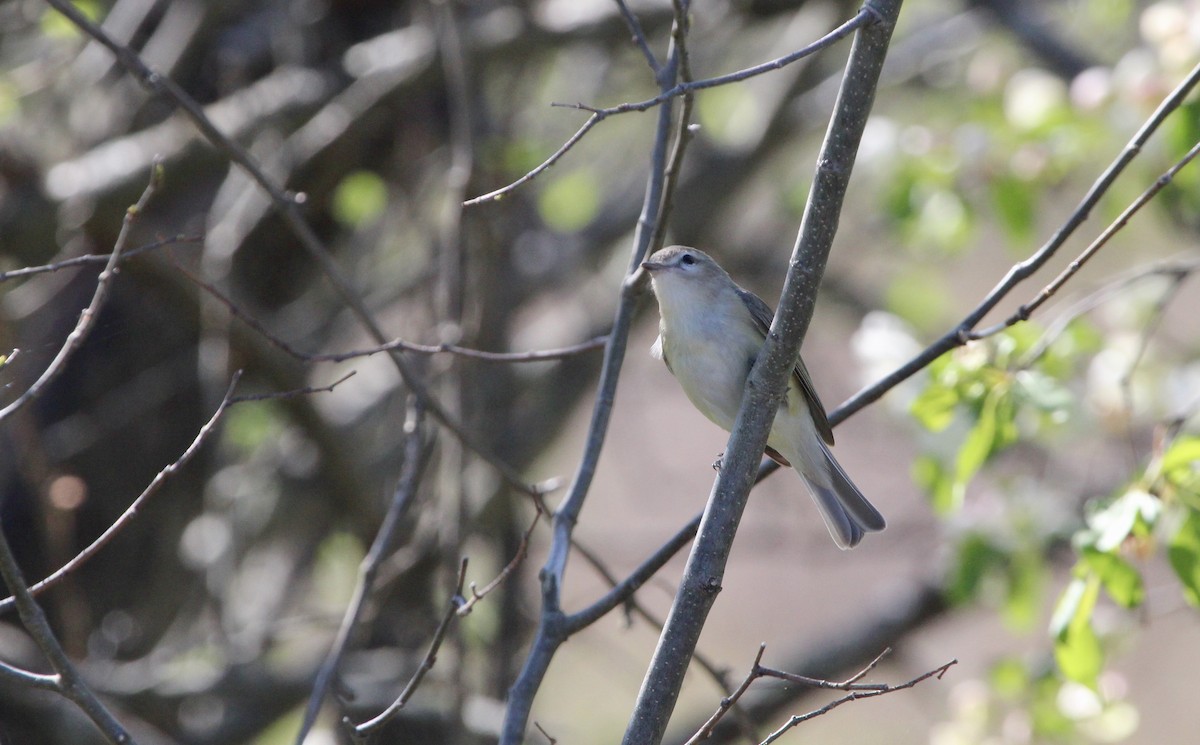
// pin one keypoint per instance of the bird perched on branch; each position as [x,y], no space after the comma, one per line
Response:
[710,333]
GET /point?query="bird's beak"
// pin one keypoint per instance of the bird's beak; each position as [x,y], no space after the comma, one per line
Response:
[653,266]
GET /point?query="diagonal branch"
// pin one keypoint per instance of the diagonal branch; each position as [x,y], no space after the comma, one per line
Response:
[552,626]
[1026,310]
[705,568]
[960,334]
[30,271]
[415,455]
[287,205]
[67,681]
[87,319]
[539,355]
[683,88]
[132,510]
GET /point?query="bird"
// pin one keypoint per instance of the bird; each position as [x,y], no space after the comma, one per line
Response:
[710,333]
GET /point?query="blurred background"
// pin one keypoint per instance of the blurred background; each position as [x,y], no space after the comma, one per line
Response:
[1053,466]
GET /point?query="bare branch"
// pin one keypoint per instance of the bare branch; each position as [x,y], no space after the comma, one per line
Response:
[1025,311]
[563,149]
[539,355]
[552,628]
[960,334]
[729,701]
[702,576]
[415,457]
[509,568]
[857,693]
[366,729]
[132,510]
[286,204]
[639,38]
[30,271]
[294,392]
[87,319]
[67,682]
[683,88]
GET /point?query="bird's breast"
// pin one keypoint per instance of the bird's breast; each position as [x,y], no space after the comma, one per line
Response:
[711,362]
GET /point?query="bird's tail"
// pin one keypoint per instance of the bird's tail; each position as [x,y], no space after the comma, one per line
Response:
[848,514]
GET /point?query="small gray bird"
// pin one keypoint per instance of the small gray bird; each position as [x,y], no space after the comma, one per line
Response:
[709,336]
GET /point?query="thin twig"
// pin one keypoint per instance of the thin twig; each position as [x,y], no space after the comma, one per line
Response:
[509,568]
[858,693]
[293,393]
[132,510]
[729,701]
[864,16]
[40,681]
[639,37]
[415,457]
[1175,269]
[960,334]
[362,731]
[539,355]
[87,319]
[30,271]
[552,631]
[68,681]
[1025,311]
[498,194]
[287,206]
[683,125]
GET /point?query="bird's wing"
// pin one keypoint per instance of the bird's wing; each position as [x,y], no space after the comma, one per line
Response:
[762,314]
[659,352]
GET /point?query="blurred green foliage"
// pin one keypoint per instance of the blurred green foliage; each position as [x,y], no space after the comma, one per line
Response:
[359,199]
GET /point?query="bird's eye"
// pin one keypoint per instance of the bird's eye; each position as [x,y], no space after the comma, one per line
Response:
[687,260]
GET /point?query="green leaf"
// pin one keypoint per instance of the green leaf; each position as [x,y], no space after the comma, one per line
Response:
[1184,453]
[1120,579]
[1114,523]
[1079,655]
[1023,603]
[1077,649]
[1043,391]
[975,558]
[931,476]
[944,221]
[1067,605]
[570,202]
[1013,200]
[1181,469]
[1009,678]
[934,407]
[1184,554]
[250,424]
[995,424]
[359,199]
[57,26]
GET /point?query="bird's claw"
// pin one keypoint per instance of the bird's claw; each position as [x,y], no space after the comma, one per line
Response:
[720,461]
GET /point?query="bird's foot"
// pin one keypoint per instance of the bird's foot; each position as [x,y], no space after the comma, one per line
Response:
[720,461]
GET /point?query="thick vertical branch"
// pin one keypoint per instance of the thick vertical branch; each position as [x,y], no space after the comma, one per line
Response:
[706,565]
[554,626]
